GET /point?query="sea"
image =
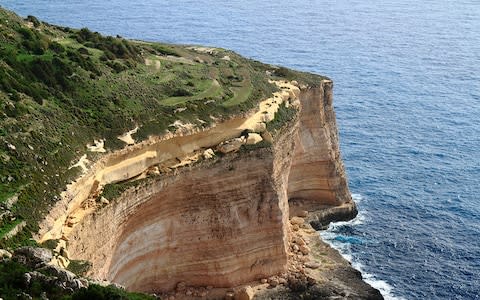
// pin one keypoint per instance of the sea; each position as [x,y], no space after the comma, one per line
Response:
[407,99]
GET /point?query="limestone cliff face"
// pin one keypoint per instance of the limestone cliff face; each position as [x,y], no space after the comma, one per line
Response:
[317,181]
[221,222]
[170,151]
[317,177]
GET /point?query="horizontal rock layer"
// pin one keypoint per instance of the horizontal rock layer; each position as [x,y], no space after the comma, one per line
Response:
[317,175]
[220,223]
[164,151]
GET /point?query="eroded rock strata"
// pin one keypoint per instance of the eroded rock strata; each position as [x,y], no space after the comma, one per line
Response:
[220,222]
[317,178]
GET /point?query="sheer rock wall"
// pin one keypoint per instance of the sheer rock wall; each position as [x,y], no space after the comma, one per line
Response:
[221,222]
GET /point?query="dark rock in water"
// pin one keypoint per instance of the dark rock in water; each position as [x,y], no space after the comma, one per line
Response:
[321,218]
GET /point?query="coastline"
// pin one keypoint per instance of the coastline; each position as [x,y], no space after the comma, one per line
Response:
[342,245]
[335,276]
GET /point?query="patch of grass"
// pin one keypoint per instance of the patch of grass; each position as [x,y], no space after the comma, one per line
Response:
[213,90]
[165,50]
[242,89]
[241,94]
[282,117]
[114,190]
[7,227]
[50,244]
[6,192]
[79,267]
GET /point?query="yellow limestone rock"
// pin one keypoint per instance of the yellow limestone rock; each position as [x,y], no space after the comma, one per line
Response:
[127,137]
[259,127]
[231,145]
[208,154]
[245,293]
[253,138]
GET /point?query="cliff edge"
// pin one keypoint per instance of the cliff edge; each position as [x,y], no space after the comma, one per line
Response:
[181,171]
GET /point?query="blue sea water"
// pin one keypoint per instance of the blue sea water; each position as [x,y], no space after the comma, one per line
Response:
[407,98]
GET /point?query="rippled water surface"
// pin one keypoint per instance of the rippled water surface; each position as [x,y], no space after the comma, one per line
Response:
[407,97]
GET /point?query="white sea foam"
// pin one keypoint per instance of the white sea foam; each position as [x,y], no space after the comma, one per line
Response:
[385,289]
[329,236]
[359,219]
[357,197]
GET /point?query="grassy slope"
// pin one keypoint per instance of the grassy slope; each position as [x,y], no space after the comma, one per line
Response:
[61,88]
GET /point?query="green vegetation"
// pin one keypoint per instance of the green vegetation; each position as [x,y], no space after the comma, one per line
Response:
[262,144]
[12,286]
[114,190]
[8,226]
[79,267]
[207,89]
[241,90]
[61,88]
[282,117]
[107,293]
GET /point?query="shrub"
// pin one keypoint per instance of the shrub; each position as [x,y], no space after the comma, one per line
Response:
[180,92]
[116,66]
[282,116]
[34,20]
[56,47]
[283,72]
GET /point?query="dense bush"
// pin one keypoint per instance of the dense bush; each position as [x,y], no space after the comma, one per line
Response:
[56,47]
[33,41]
[163,50]
[34,21]
[113,48]
[13,283]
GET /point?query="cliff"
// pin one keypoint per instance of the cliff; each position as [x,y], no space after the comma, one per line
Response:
[221,222]
[207,190]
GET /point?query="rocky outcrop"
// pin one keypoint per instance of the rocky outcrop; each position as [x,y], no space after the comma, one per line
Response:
[319,273]
[44,272]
